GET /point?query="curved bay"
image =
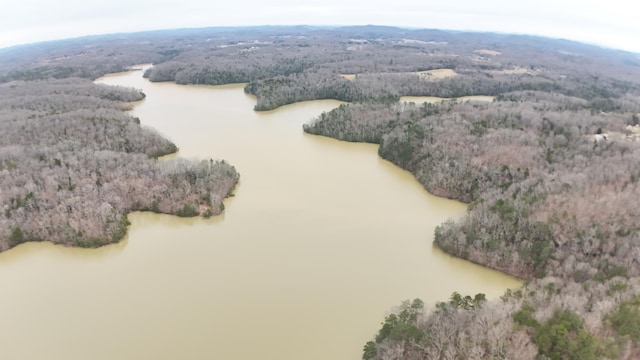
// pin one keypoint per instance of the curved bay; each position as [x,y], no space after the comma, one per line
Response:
[322,239]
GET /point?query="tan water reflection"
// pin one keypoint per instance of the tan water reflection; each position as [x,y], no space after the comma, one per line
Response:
[320,241]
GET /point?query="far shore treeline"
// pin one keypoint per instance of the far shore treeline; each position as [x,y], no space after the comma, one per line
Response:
[550,168]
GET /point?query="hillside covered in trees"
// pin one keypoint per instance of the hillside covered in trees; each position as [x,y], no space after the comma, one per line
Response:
[550,184]
[550,168]
[73,164]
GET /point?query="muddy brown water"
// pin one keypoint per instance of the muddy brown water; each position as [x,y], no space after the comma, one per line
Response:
[321,240]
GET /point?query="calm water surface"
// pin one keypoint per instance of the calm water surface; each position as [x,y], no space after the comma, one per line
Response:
[322,239]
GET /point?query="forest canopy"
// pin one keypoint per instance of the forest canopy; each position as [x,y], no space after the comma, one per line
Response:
[549,166]
[73,164]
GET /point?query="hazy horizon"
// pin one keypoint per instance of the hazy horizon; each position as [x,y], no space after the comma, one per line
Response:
[609,24]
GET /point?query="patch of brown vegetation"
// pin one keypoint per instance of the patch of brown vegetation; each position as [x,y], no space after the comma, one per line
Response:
[517,70]
[428,75]
[488,52]
[349,77]
[436,74]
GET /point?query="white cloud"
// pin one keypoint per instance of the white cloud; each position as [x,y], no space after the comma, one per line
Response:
[610,23]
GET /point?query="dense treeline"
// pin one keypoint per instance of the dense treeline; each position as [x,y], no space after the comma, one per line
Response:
[73,164]
[287,64]
[549,180]
[382,64]
[550,168]
[389,86]
[547,319]
[531,165]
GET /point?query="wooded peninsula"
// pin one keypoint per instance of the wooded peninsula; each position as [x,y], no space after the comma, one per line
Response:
[549,168]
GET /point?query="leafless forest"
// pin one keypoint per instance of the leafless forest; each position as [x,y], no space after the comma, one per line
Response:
[73,164]
[550,168]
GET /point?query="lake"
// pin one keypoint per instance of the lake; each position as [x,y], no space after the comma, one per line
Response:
[321,240]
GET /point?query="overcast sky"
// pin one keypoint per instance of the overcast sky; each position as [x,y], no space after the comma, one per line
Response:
[612,23]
